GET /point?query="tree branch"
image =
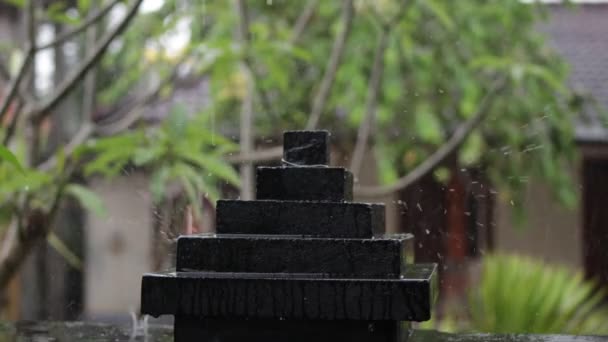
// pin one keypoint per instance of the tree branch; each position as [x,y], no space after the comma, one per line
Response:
[269,154]
[451,145]
[4,73]
[246,119]
[375,83]
[90,81]
[131,114]
[320,98]
[84,132]
[13,88]
[303,20]
[243,28]
[244,37]
[135,110]
[89,22]
[333,64]
[20,240]
[43,109]
[12,126]
[373,89]
[30,26]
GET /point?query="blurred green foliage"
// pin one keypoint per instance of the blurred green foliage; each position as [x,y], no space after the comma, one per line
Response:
[441,59]
[521,295]
[181,150]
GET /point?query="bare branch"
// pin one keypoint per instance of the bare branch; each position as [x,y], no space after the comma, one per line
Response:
[30,23]
[29,57]
[20,239]
[15,248]
[12,126]
[320,97]
[451,145]
[332,66]
[43,109]
[84,132]
[4,73]
[303,20]
[244,37]
[14,86]
[131,114]
[269,154]
[89,87]
[12,90]
[246,120]
[243,29]
[136,109]
[89,22]
[373,89]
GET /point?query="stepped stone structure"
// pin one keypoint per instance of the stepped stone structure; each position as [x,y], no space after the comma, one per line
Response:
[301,262]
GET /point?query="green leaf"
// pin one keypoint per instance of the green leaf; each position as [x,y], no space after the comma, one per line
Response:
[490,62]
[198,180]
[427,125]
[471,150]
[57,12]
[177,122]
[442,175]
[213,164]
[8,156]
[18,3]
[158,181]
[437,8]
[193,197]
[60,157]
[70,257]
[522,295]
[87,198]
[546,75]
[148,154]
[388,174]
[84,5]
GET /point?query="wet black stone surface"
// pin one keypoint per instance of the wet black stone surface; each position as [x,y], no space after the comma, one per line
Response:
[380,257]
[271,330]
[301,262]
[291,296]
[221,331]
[326,219]
[333,184]
[306,147]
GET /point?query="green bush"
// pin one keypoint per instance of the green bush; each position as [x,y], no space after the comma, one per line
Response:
[521,295]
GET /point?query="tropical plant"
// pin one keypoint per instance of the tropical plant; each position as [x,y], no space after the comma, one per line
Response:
[518,294]
[406,78]
[53,141]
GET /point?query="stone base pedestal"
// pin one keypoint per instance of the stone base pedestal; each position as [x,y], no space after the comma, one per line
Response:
[193,329]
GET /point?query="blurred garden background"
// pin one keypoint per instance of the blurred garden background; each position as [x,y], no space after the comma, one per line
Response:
[481,124]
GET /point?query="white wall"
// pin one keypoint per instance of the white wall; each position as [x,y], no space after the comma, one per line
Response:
[118,247]
[551,232]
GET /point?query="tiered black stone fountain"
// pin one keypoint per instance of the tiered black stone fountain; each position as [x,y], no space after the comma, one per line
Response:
[301,262]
